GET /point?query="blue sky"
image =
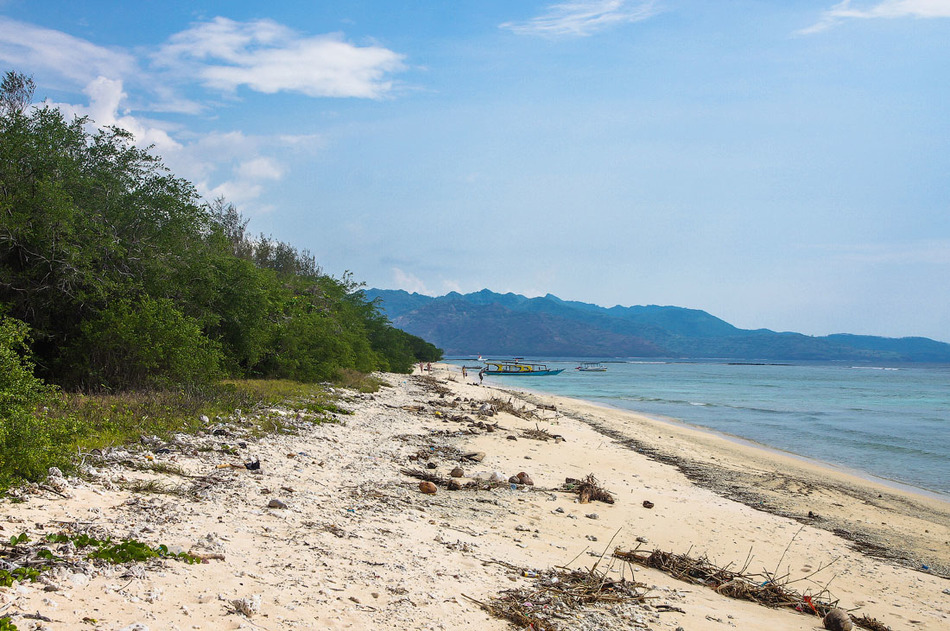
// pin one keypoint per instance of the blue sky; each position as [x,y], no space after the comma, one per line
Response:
[780,164]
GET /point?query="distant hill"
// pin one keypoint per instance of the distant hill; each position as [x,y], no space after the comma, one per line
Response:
[488,323]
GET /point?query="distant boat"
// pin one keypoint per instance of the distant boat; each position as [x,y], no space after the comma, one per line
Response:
[592,367]
[519,369]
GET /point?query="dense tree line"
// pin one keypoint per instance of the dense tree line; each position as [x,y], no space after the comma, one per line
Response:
[125,279]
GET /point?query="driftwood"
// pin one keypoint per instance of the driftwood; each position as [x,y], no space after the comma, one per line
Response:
[765,589]
[539,434]
[450,483]
[558,593]
[588,490]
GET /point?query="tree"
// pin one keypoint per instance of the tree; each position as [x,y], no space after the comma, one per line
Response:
[16,93]
[146,343]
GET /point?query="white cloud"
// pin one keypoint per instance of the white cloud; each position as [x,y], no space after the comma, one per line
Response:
[583,17]
[34,49]
[268,57]
[223,54]
[260,169]
[887,9]
[409,282]
[106,97]
[229,164]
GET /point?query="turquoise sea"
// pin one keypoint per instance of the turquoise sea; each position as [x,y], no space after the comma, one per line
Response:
[885,421]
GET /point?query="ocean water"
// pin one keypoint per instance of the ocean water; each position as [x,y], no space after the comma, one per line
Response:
[887,421]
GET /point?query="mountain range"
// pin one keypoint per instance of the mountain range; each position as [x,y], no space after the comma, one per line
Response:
[492,324]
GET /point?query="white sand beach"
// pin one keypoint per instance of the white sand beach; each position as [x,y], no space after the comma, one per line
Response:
[352,543]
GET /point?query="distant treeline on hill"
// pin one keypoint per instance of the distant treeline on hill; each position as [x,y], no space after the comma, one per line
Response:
[488,323]
[115,275]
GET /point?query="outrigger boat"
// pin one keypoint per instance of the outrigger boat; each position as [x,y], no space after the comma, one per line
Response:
[519,369]
[592,367]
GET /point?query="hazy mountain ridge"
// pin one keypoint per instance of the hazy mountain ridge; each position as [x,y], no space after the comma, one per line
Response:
[489,323]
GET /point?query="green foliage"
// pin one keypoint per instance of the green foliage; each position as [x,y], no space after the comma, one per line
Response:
[127,280]
[126,551]
[146,344]
[29,443]
[7,625]
[20,574]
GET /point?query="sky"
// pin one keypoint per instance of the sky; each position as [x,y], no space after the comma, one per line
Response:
[781,164]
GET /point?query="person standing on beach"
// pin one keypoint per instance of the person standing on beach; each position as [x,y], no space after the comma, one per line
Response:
[481,375]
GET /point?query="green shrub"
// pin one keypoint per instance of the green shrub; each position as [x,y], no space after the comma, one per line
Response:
[28,444]
[147,343]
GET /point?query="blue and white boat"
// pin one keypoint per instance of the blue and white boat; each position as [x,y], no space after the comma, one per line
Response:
[516,368]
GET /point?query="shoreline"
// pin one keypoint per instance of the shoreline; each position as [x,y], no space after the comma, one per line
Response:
[908,546]
[331,533]
[857,474]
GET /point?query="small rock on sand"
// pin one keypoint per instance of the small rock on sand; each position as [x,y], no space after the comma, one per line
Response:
[457,472]
[427,487]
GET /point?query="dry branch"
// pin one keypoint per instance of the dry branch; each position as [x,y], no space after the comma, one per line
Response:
[764,589]
[588,490]
[560,594]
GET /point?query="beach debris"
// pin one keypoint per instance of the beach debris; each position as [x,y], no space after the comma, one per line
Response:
[474,456]
[524,478]
[431,465]
[430,384]
[557,598]
[253,466]
[511,437]
[763,588]
[648,504]
[588,490]
[541,434]
[276,503]
[496,476]
[427,487]
[592,516]
[838,620]
[426,476]
[247,607]
[457,472]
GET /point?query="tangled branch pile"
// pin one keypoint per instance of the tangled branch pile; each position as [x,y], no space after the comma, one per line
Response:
[540,434]
[500,405]
[430,384]
[763,589]
[588,490]
[561,594]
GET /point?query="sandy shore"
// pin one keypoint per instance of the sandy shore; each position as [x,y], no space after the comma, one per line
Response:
[330,533]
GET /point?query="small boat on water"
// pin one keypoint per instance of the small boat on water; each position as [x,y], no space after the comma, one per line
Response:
[592,367]
[519,369]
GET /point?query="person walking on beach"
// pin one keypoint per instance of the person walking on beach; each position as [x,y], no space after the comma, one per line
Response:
[481,375]
[464,372]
